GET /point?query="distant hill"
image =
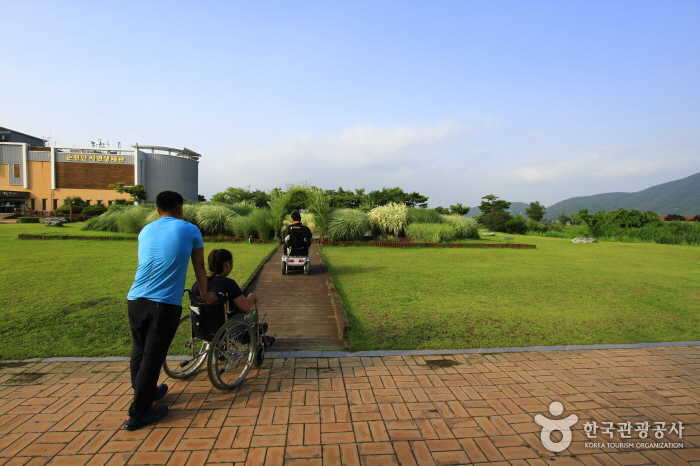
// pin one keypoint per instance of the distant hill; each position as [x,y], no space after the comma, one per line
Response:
[675,197]
[516,208]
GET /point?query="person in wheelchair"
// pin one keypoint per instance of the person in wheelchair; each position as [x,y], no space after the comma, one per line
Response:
[220,264]
[297,237]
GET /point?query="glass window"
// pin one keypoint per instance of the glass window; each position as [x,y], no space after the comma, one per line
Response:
[16,167]
[43,204]
[55,204]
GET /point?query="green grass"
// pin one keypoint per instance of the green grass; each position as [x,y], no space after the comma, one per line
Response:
[68,297]
[559,293]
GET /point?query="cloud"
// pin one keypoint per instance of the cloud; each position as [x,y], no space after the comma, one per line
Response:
[597,167]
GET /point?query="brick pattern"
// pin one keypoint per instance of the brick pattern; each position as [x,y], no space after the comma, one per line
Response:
[356,411]
[92,175]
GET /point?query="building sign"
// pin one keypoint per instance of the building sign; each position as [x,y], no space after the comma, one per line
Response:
[14,195]
[95,158]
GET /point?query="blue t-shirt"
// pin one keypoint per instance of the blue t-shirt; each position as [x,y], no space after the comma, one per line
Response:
[165,248]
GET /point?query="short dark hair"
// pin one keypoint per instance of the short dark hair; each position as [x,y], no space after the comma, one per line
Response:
[168,201]
[296,216]
[217,259]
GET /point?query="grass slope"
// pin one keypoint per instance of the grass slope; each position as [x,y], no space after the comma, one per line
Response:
[68,297]
[559,293]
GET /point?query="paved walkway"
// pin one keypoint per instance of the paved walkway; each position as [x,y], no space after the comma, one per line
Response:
[372,411]
[299,308]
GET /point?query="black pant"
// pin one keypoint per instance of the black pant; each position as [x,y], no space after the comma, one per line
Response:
[153,326]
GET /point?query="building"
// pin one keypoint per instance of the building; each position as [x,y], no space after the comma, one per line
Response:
[8,135]
[39,178]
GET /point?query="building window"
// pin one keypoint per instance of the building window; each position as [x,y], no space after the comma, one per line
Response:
[55,204]
[43,204]
[110,202]
[99,202]
[31,203]
[87,201]
[17,170]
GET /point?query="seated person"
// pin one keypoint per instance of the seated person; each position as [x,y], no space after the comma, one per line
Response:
[297,237]
[220,264]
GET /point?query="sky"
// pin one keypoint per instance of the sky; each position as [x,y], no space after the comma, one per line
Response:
[529,100]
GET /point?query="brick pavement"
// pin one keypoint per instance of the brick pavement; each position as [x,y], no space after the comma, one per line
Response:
[298,307]
[381,410]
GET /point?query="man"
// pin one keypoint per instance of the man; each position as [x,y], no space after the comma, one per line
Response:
[155,300]
[297,236]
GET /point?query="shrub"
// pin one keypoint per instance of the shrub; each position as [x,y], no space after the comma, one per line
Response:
[516,225]
[132,219]
[308,219]
[431,232]
[495,220]
[418,215]
[319,205]
[28,219]
[262,223]
[390,219]
[536,227]
[96,209]
[348,225]
[240,226]
[213,219]
[465,227]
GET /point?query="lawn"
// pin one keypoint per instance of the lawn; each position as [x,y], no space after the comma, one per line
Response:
[559,293]
[68,297]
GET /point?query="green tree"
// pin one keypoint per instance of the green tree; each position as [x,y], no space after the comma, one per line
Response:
[459,209]
[201,198]
[441,210]
[137,192]
[72,205]
[491,203]
[564,219]
[535,211]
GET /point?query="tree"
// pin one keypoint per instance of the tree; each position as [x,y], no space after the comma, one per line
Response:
[72,205]
[491,203]
[201,198]
[441,210]
[459,209]
[535,211]
[564,219]
[137,192]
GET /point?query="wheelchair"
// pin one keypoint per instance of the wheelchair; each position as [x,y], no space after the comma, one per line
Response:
[296,254]
[230,343]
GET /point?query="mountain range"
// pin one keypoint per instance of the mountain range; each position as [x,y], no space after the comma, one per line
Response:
[675,197]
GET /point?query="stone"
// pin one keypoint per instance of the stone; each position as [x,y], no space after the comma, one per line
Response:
[583,240]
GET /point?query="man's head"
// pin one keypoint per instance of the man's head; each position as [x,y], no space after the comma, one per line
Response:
[296,216]
[169,204]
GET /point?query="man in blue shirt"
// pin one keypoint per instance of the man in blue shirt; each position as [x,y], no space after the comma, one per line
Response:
[155,298]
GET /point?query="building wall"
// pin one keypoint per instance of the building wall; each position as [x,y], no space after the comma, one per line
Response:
[159,172]
[92,176]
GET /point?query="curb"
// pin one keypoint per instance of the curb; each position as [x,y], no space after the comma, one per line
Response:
[341,317]
[381,353]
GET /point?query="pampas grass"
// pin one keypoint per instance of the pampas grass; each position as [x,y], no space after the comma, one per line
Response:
[431,232]
[390,219]
[465,227]
[418,215]
[213,219]
[348,225]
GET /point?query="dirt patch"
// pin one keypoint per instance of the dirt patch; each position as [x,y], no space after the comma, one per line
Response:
[24,378]
[6,365]
[441,363]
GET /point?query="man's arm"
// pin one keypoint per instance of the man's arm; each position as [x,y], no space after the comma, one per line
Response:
[201,274]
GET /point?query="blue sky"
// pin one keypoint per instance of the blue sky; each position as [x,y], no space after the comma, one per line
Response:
[528,100]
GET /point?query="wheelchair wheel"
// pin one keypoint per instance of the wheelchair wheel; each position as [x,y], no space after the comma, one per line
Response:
[186,354]
[232,354]
[307,268]
[284,268]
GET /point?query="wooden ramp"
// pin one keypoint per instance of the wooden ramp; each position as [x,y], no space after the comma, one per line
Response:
[299,308]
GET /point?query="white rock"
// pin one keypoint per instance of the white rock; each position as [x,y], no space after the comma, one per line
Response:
[583,240]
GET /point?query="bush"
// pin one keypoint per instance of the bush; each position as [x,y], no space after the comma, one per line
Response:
[92,210]
[124,218]
[319,205]
[516,225]
[418,215]
[262,224]
[348,225]
[536,227]
[66,209]
[213,220]
[431,232]
[465,227]
[496,220]
[28,219]
[240,226]
[390,219]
